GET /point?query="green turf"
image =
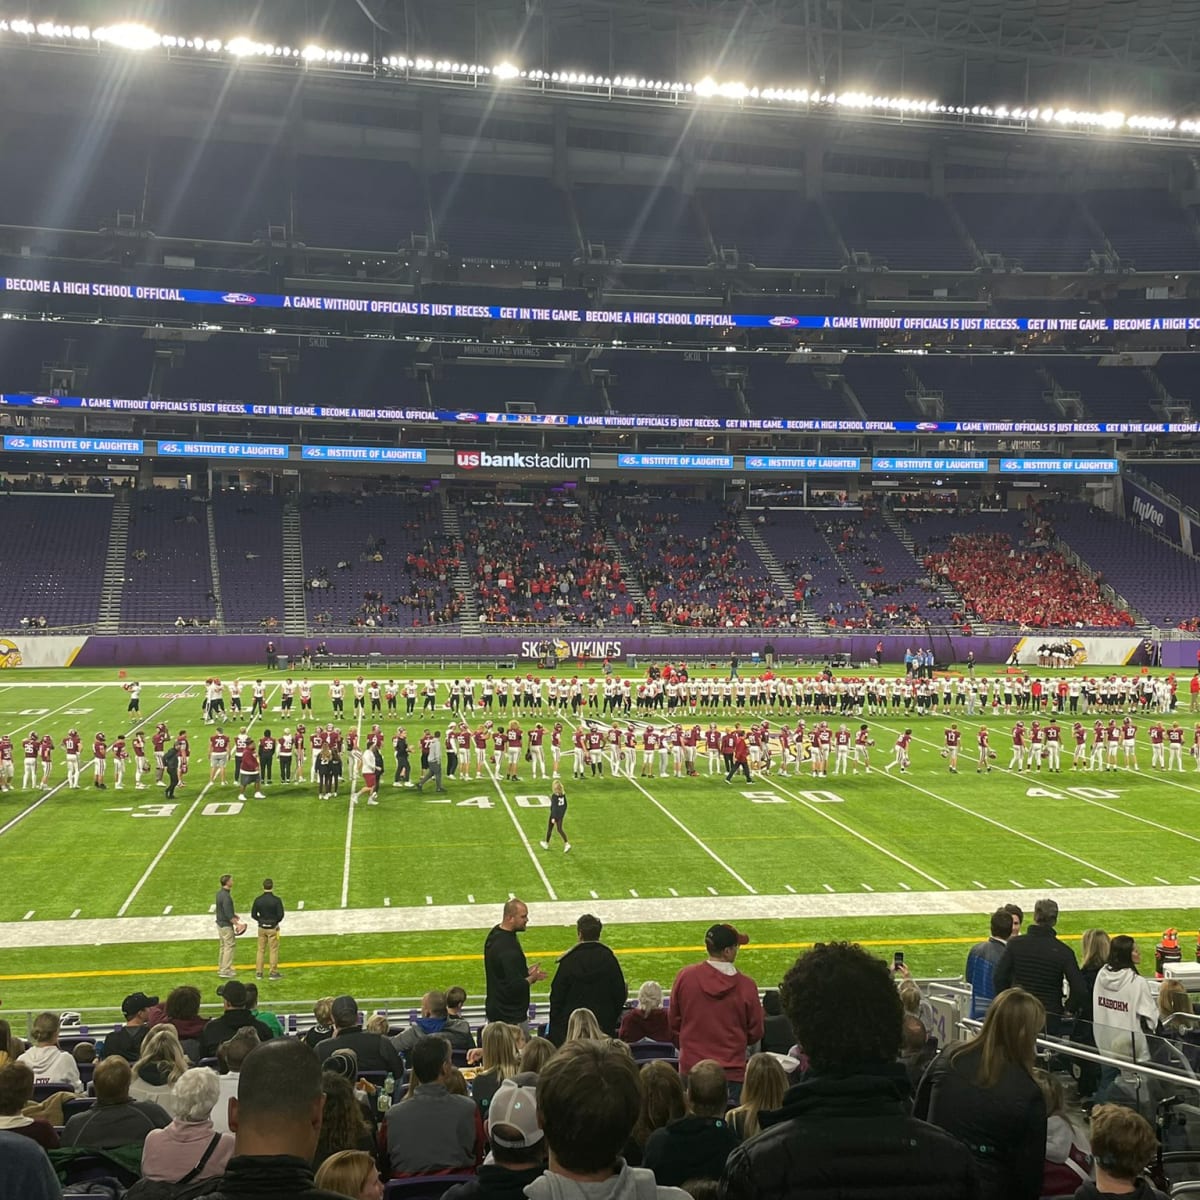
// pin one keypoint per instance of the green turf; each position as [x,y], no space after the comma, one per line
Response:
[89,855]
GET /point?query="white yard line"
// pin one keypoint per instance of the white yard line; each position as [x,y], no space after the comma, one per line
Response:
[39,720]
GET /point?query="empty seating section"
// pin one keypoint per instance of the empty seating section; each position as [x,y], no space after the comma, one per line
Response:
[167,569]
[771,229]
[554,389]
[641,224]
[52,557]
[358,204]
[1181,480]
[1040,232]
[249,529]
[775,388]
[665,383]
[546,563]
[1161,583]
[227,368]
[903,231]
[503,217]
[797,540]
[1177,373]
[399,562]
[986,388]
[354,371]
[1109,393]
[880,382]
[1148,229]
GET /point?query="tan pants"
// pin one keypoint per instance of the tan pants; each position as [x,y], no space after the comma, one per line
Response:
[267,937]
[228,941]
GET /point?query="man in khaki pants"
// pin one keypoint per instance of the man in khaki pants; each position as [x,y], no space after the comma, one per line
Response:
[267,911]
[227,927]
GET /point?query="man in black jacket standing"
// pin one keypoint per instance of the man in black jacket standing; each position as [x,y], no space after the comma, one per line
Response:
[507,973]
[588,976]
[1039,962]
[845,1129]
[267,912]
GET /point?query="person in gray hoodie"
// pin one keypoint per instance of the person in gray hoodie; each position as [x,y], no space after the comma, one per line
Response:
[588,1098]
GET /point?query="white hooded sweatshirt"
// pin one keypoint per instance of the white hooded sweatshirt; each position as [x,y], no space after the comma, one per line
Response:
[1122,1009]
[51,1065]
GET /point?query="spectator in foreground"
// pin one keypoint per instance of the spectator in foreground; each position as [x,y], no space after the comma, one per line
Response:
[48,1063]
[649,1019]
[1068,1150]
[343,1125]
[848,1119]
[189,1148]
[715,1010]
[27,1173]
[518,1148]
[663,1101]
[16,1090]
[981,962]
[1041,964]
[537,1053]
[696,1145]
[1124,1145]
[159,1067]
[115,1119]
[985,1092]
[588,976]
[588,1100]
[764,1089]
[231,1055]
[432,1130]
[1123,1011]
[435,1018]
[501,1060]
[351,1173]
[374,1052]
[127,1041]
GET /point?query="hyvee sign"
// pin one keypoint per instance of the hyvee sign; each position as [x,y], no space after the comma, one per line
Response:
[470,460]
[1151,512]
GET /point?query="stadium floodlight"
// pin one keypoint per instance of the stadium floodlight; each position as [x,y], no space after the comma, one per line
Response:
[129,35]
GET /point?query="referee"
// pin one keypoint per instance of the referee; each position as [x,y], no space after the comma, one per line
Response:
[267,912]
[558,813]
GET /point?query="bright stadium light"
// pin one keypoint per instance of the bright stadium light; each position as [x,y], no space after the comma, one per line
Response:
[129,35]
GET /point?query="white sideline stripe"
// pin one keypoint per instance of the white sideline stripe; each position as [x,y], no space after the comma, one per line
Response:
[1091,883]
[167,910]
[906,887]
[595,896]
[76,913]
[712,891]
[646,910]
[29,914]
[1052,883]
[675,893]
[1017,885]
[792,891]
[512,816]
[981,886]
[633,893]
[1160,879]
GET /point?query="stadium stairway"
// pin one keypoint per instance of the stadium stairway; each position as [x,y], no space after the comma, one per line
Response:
[633,588]
[778,576]
[214,565]
[947,593]
[462,581]
[295,602]
[112,586]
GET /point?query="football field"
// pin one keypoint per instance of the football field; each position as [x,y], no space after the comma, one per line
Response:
[101,887]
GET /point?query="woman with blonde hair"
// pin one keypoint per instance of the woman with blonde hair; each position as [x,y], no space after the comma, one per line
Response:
[323,1011]
[501,1061]
[649,1019]
[985,1093]
[663,1100]
[159,1067]
[537,1053]
[583,1026]
[766,1082]
[351,1173]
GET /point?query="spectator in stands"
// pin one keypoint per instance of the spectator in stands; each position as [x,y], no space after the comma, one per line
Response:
[159,1067]
[1068,1161]
[847,1119]
[456,997]
[917,1049]
[231,1055]
[583,1026]
[663,1101]
[1041,964]
[535,1054]
[1123,1145]
[48,1063]
[715,1010]
[433,1130]
[648,1021]
[588,976]
[343,1125]
[236,1016]
[981,963]
[375,1053]
[764,1089]
[182,1010]
[323,1012]
[1124,1010]
[435,1019]
[1094,950]
[16,1090]
[115,1119]
[11,1046]
[127,1041]
[518,1147]
[351,1173]
[777,1029]
[500,1060]
[694,1146]
[190,1147]
[270,1020]
[27,1173]
[588,1102]
[507,973]
[985,1093]
[1018,918]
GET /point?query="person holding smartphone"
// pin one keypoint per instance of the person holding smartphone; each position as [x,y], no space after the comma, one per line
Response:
[558,813]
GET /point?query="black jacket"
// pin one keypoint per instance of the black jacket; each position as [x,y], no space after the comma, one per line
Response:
[506,972]
[250,1177]
[1004,1126]
[778,1037]
[849,1137]
[126,1042]
[689,1148]
[267,910]
[221,1029]
[1039,962]
[374,1051]
[495,1183]
[588,976]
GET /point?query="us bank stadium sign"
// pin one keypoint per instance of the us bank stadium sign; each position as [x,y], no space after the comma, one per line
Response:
[470,460]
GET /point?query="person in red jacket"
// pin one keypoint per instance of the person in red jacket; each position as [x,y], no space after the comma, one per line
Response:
[649,1019]
[715,1010]
[741,758]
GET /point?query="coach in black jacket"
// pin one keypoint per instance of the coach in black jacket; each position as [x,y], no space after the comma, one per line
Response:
[588,976]
[1039,962]
[508,976]
[845,1129]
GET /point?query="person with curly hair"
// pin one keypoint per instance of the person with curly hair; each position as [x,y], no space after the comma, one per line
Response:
[343,1126]
[847,1120]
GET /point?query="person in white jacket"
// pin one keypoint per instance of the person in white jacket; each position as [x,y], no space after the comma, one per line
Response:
[49,1064]
[1123,1008]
